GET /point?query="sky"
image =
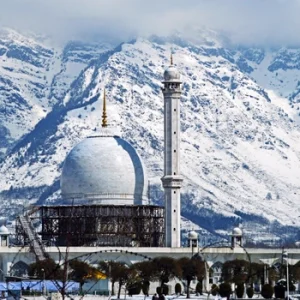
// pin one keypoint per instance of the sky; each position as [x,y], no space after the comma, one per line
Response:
[271,22]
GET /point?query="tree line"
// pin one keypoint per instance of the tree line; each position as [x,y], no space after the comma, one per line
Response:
[244,274]
[138,276]
[134,278]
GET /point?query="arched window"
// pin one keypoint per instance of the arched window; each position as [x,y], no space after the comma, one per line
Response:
[19,269]
[215,272]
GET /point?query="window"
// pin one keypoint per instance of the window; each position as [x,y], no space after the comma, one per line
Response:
[4,240]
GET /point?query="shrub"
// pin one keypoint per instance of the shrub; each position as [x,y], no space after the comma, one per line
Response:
[225,290]
[178,288]
[267,291]
[240,290]
[134,289]
[165,290]
[199,288]
[279,291]
[145,287]
[250,292]
[281,287]
[292,287]
[214,289]
[162,290]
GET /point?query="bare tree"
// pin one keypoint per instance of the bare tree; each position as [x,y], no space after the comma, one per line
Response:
[116,272]
[146,272]
[45,269]
[236,271]
[191,268]
[81,271]
[165,268]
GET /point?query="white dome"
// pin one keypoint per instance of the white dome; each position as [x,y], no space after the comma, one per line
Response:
[171,74]
[104,170]
[4,230]
[237,231]
[193,235]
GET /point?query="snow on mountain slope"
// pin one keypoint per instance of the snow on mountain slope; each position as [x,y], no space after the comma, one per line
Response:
[276,70]
[33,78]
[23,63]
[74,58]
[240,151]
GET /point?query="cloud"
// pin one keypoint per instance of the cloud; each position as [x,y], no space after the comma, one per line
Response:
[270,22]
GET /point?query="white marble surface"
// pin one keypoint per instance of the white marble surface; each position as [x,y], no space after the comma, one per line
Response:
[105,169]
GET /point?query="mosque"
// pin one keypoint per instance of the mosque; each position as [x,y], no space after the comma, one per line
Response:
[104,190]
[105,213]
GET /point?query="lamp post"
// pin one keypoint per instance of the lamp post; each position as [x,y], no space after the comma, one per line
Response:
[285,257]
[44,286]
[108,265]
[109,284]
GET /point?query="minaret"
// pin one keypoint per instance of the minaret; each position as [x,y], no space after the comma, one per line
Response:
[172,180]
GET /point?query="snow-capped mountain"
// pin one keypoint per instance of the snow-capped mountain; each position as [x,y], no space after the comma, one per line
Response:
[240,152]
[33,78]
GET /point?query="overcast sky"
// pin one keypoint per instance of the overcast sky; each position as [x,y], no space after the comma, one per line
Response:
[247,21]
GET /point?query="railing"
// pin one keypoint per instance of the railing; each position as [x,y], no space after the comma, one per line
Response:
[34,240]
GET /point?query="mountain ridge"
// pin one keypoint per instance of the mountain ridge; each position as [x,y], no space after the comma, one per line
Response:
[237,136]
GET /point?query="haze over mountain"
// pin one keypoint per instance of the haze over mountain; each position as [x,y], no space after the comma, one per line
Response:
[268,22]
[240,120]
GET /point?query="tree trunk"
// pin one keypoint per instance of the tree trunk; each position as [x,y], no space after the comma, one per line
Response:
[188,283]
[161,286]
[112,288]
[119,291]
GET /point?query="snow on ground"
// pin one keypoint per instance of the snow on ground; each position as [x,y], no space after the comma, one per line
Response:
[141,297]
[134,297]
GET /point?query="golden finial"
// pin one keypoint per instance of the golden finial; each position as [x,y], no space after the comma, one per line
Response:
[104,115]
[171,59]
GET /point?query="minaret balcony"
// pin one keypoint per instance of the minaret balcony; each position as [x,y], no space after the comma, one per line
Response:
[172,181]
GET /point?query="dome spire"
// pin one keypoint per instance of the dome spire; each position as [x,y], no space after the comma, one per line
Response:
[171,74]
[104,115]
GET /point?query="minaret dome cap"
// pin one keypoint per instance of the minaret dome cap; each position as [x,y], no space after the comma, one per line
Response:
[171,74]
[4,230]
[193,235]
[237,231]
